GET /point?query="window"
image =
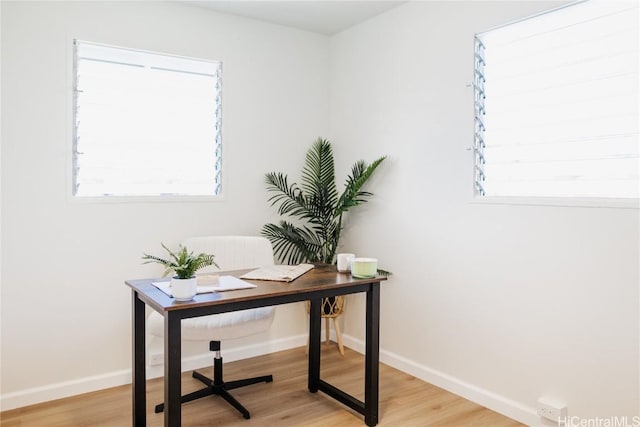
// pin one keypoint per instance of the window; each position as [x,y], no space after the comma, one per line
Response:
[145,124]
[556,104]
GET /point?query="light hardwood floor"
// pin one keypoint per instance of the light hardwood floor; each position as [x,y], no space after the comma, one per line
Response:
[404,400]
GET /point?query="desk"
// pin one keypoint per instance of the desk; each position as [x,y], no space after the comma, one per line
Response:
[321,282]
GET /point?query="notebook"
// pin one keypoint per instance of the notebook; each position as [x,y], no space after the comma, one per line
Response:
[278,273]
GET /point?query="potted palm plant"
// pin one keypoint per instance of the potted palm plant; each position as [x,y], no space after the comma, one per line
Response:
[184,264]
[314,209]
[314,213]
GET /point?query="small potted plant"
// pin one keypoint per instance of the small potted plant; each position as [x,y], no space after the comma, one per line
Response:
[184,264]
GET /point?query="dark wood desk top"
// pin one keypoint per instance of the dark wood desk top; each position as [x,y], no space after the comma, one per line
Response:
[322,279]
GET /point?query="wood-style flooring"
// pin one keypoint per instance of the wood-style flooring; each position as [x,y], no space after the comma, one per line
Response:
[404,400]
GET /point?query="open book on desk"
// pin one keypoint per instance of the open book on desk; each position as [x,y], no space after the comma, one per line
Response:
[278,273]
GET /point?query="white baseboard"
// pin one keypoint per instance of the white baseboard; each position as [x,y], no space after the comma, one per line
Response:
[60,390]
[512,409]
[63,389]
[495,402]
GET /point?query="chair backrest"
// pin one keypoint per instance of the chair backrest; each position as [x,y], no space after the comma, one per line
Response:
[233,252]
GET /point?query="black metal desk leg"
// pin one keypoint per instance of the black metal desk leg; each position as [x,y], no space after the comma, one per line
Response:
[315,322]
[372,356]
[139,390]
[172,370]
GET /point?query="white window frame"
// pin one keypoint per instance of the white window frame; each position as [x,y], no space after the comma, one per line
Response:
[477,149]
[178,198]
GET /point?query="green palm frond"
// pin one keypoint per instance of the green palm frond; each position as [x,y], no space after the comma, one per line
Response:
[177,257]
[290,197]
[318,183]
[384,273]
[318,174]
[201,261]
[353,194]
[156,259]
[292,244]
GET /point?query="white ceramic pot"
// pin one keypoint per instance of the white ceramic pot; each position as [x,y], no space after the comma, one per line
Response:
[183,289]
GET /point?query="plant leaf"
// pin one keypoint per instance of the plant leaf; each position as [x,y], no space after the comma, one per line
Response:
[353,195]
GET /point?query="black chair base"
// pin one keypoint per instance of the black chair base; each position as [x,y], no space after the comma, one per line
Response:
[217,385]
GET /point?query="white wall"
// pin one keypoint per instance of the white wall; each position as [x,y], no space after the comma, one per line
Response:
[65,308]
[499,303]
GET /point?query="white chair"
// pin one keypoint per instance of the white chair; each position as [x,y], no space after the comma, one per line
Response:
[231,253]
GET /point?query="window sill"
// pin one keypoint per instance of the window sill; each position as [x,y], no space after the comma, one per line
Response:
[607,203]
[146,199]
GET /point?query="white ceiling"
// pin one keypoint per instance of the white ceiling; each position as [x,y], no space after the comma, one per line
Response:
[324,17]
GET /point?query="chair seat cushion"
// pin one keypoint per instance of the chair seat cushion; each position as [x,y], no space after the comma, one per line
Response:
[235,324]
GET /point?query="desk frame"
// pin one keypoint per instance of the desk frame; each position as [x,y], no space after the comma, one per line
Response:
[313,286]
